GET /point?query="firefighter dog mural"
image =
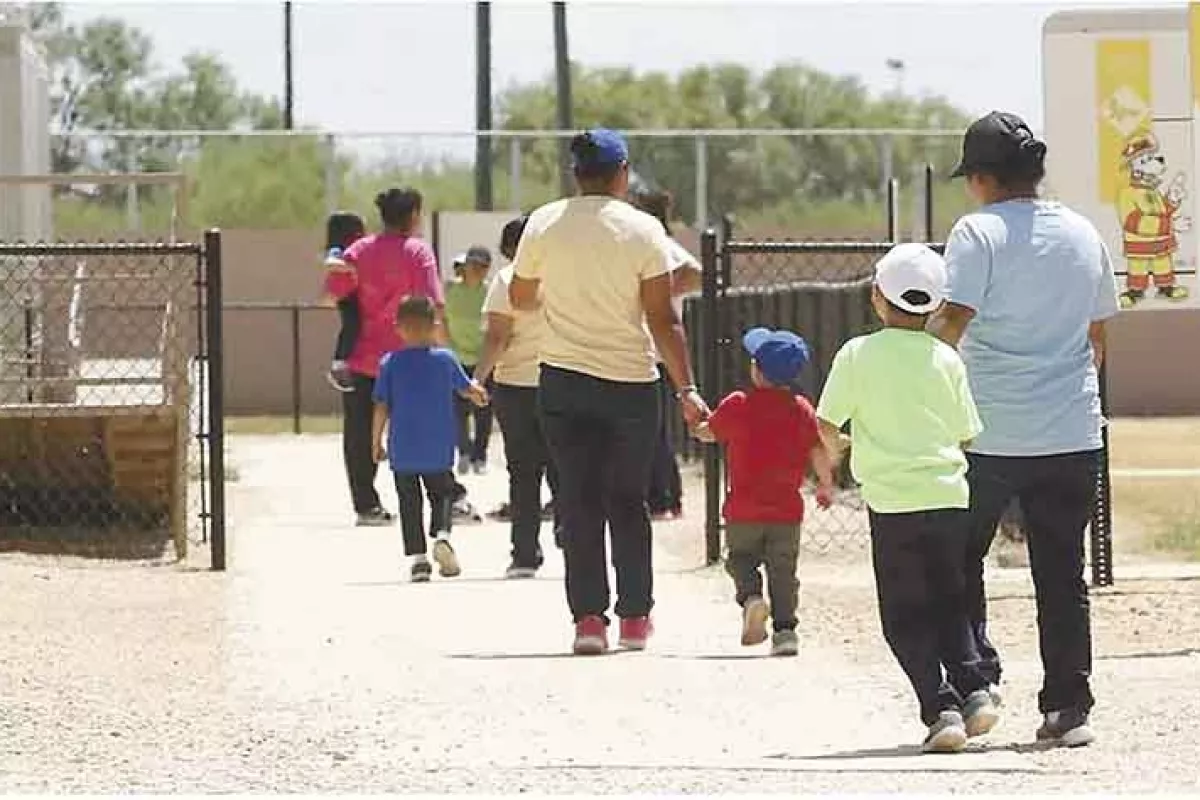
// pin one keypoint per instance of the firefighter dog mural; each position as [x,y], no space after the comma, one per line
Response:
[1148,207]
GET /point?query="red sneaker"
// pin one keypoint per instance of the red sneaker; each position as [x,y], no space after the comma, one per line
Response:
[634,632]
[591,637]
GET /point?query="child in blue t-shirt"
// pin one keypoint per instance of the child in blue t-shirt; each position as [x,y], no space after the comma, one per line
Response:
[414,400]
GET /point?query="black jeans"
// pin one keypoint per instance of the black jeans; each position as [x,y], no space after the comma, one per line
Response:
[1056,495]
[439,486]
[473,444]
[601,436]
[358,410]
[528,460]
[918,560]
[666,485]
[351,321]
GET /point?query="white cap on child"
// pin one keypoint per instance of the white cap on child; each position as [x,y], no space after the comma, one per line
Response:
[912,277]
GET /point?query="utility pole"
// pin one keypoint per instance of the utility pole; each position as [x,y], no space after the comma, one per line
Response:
[288,91]
[562,76]
[483,105]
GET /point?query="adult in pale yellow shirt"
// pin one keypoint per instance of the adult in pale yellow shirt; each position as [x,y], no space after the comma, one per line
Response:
[603,268]
[512,340]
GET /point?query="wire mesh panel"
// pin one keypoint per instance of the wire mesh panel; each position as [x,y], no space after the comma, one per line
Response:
[101,398]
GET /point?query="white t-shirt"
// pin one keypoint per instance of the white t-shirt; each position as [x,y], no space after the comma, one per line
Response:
[591,255]
[681,258]
[518,364]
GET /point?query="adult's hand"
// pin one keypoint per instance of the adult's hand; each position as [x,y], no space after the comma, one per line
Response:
[693,407]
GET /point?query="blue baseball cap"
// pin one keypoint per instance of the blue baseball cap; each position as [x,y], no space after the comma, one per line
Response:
[599,147]
[780,355]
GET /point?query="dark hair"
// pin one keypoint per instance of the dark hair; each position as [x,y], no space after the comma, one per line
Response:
[510,237]
[1025,167]
[585,148]
[342,229]
[416,308]
[397,207]
[656,203]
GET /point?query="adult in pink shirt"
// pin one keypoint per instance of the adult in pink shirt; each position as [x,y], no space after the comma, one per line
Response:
[387,267]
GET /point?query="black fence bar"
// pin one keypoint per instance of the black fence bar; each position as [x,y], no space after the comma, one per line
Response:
[296,399]
[929,223]
[216,390]
[54,249]
[708,381]
[1100,530]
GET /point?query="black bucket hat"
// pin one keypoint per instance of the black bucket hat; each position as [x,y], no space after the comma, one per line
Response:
[997,140]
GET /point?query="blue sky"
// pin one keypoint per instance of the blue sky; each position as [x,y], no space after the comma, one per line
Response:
[410,66]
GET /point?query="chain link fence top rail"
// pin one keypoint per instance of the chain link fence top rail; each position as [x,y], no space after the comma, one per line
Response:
[99,383]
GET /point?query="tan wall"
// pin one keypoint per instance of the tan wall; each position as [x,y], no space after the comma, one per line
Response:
[1151,365]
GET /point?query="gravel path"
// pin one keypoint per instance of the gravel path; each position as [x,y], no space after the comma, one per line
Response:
[311,666]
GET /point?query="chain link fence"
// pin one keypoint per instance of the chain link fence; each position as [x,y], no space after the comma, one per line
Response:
[821,290]
[106,408]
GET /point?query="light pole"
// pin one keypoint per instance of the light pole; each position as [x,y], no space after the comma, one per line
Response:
[896,67]
[483,105]
[562,75]
[288,99]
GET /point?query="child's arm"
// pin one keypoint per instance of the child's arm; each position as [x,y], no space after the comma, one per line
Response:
[823,466]
[834,441]
[704,433]
[475,393]
[378,425]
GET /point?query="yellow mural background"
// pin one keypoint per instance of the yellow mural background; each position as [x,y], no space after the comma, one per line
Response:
[1124,100]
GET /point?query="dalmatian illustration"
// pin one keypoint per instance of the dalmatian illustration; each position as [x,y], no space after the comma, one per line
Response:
[1150,218]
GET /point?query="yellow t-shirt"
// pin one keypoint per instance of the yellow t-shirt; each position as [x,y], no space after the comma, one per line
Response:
[518,364]
[591,255]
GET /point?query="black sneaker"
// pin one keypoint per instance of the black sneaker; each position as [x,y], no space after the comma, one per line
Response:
[1068,727]
[375,518]
[339,377]
[421,571]
[517,572]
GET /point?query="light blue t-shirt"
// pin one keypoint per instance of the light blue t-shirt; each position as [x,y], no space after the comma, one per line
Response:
[1037,274]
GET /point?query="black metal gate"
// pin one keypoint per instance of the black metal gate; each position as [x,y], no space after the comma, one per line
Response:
[821,290]
[111,408]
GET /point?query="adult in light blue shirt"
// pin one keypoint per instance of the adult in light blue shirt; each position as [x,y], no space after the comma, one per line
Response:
[1031,286]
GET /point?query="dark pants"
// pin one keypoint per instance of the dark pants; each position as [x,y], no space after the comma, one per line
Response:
[358,410]
[473,444]
[666,485]
[439,486]
[601,436]
[776,547]
[1056,495]
[528,460]
[350,320]
[919,581]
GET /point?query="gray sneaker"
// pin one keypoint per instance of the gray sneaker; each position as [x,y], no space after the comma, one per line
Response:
[785,643]
[1068,727]
[947,735]
[996,694]
[421,572]
[517,572]
[375,518]
[979,713]
[446,559]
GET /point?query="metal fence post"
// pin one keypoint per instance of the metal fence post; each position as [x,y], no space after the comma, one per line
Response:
[514,174]
[711,383]
[893,210]
[333,189]
[1101,544]
[216,393]
[928,203]
[701,182]
[296,388]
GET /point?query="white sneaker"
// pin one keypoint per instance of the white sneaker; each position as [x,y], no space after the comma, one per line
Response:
[754,621]
[947,735]
[447,560]
[980,713]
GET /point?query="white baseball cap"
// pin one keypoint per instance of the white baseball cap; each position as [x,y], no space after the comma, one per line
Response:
[912,267]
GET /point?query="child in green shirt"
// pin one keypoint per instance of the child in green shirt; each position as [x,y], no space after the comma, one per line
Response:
[464,327]
[910,410]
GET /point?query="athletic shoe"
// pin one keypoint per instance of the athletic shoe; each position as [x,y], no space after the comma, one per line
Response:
[754,621]
[479,467]
[462,512]
[996,695]
[947,735]
[375,518]
[517,572]
[464,465]
[591,637]
[635,632]
[421,571]
[445,557]
[339,377]
[979,713]
[1068,727]
[785,643]
[502,513]
[548,512]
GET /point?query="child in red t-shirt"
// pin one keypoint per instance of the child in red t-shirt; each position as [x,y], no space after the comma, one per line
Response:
[770,436]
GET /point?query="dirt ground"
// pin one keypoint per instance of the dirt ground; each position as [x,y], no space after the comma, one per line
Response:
[313,666]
